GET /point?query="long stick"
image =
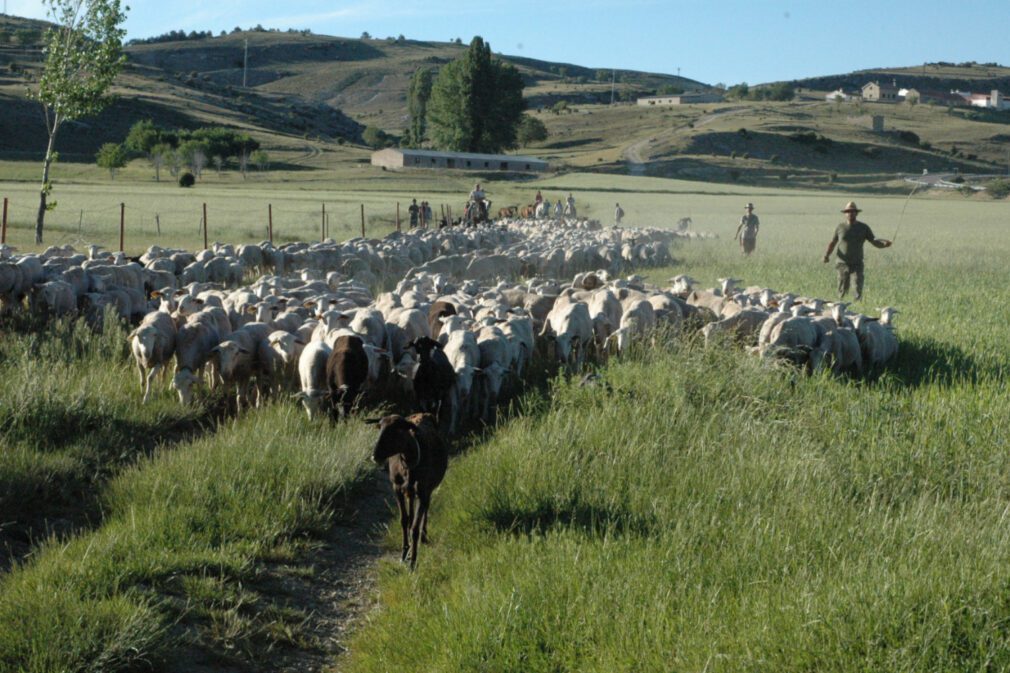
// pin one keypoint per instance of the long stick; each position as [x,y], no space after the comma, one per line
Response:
[902,216]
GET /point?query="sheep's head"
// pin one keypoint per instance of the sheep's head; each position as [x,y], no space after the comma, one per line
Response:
[229,355]
[183,383]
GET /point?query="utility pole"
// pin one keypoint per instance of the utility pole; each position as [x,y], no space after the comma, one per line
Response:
[245,62]
[613,78]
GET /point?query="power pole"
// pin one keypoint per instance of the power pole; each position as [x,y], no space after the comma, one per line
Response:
[245,62]
[613,78]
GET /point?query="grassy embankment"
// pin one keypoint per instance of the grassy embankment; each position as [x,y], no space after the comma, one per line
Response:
[711,513]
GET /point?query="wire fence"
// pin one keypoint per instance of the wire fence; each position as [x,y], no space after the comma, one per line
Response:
[134,226]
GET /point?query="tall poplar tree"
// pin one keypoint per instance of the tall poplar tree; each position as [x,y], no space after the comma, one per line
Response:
[417,104]
[476,103]
[83,55]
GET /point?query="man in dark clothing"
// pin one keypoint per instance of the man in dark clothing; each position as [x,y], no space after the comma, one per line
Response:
[414,210]
[849,238]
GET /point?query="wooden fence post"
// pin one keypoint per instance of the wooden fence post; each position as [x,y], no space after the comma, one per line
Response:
[157,223]
[3,228]
[270,222]
[122,225]
[362,220]
[398,216]
[205,226]
[322,226]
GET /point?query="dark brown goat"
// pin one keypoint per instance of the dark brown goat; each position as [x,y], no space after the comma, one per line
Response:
[434,378]
[346,373]
[416,457]
[439,310]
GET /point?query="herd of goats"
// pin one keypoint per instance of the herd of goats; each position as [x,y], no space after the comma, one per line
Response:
[459,330]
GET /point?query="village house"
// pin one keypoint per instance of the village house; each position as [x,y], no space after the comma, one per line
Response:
[690,98]
[880,93]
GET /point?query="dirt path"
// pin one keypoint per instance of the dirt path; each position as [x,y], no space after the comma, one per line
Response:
[342,589]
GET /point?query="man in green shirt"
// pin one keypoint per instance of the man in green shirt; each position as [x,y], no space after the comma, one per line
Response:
[849,238]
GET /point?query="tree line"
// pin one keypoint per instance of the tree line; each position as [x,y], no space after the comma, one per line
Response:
[176,149]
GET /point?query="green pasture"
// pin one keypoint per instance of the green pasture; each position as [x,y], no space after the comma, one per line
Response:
[705,512]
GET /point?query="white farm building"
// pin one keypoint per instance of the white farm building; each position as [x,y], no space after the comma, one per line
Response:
[689,98]
[396,158]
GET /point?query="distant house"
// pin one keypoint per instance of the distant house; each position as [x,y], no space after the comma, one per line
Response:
[395,158]
[880,93]
[692,97]
[839,96]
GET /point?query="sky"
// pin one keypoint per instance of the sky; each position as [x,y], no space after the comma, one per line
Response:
[713,41]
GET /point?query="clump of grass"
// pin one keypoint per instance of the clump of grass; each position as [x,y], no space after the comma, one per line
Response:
[71,416]
[181,529]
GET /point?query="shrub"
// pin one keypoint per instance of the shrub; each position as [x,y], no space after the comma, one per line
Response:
[908,137]
[998,189]
[187,180]
[734,174]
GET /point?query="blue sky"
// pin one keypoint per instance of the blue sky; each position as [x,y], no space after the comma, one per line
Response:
[725,41]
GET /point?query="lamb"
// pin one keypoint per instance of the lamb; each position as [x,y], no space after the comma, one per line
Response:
[152,344]
[417,458]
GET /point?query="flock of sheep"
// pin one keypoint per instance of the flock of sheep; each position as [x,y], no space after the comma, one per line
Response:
[457,331]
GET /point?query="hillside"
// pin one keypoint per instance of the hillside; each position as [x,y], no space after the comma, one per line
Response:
[309,97]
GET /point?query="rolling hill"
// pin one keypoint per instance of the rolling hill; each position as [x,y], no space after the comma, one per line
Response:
[308,94]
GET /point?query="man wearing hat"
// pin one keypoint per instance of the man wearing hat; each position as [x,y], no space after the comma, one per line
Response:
[848,239]
[749,229]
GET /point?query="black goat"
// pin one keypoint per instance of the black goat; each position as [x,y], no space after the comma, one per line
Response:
[417,458]
[434,378]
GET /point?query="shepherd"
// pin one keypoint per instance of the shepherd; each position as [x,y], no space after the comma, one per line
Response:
[849,238]
[747,232]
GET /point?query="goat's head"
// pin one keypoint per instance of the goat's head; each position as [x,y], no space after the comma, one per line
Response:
[396,436]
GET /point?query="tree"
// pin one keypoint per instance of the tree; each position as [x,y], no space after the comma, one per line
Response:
[261,159]
[111,156]
[193,153]
[602,75]
[476,103]
[366,36]
[531,130]
[375,137]
[159,156]
[417,105]
[84,54]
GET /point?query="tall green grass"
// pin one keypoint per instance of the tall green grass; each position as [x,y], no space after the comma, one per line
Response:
[182,531]
[71,416]
[714,514]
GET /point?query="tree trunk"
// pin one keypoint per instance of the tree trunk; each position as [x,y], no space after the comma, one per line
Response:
[44,192]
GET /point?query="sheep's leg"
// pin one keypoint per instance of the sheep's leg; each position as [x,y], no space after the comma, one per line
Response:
[150,375]
[401,503]
[143,376]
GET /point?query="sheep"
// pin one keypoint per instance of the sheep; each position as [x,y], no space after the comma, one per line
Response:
[312,376]
[416,457]
[743,327]
[571,329]
[152,345]
[639,318]
[193,345]
[840,348]
[237,358]
[346,373]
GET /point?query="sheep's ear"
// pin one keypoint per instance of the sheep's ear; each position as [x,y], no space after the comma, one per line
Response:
[156,294]
[199,301]
[299,342]
[250,310]
[372,421]
[215,349]
[244,351]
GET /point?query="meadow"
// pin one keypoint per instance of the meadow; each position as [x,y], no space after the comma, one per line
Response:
[706,512]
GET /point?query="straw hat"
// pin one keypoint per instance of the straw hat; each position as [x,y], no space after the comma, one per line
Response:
[749,206]
[850,207]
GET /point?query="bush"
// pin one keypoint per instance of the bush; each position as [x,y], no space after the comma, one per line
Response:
[187,179]
[734,174]
[908,137]
[374,137]
[998,189]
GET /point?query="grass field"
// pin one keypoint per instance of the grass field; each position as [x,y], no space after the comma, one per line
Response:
[709,513]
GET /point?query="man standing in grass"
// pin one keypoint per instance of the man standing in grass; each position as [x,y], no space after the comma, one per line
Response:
[414,210]
[849,238]
[618,215]
[747,232]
